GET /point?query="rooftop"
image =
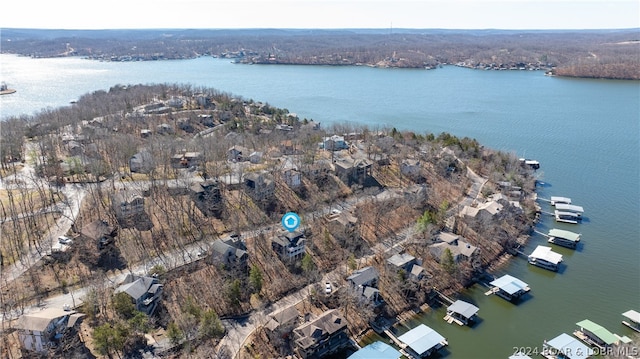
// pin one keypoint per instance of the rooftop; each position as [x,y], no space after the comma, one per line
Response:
[463,308]
[601,332]
[561,233]
[632,315]
[510,284]
[565,343]
[376,350]
[421,338]
[545,253]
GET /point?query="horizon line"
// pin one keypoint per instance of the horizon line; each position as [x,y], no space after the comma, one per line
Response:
[317,29]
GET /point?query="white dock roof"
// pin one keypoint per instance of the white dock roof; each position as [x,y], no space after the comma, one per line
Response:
[561,233]
[510,284]
[463,308]
[421,338]
[545,253]
[570,346]
[632,315]
[563,207]
[558,200]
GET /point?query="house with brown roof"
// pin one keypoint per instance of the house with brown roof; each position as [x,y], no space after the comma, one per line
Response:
[282,322]
[207,196]
[186,159]
[460,248]
[99,232]
[321,337]
[41,330]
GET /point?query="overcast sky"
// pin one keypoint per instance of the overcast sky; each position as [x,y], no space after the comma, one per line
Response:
[423,14]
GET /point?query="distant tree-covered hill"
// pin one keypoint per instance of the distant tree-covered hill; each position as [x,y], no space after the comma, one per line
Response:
[581,53]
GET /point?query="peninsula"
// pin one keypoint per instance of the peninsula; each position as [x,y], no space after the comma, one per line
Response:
[152,215]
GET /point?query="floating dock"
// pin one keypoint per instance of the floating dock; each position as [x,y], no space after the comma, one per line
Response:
[559,200]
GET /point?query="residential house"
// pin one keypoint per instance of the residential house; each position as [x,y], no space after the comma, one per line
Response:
[186,125]
[411,168]
[321,337]
[99,232]
[365,277]
[287,147]
[126,204]
[352,171]
[165,129]
[41,330]
[207,196]
[292,177]
[461,250]
[145,292]
[186,159]
[364,282]
[232,256]
[402,261]
[334,143]
[176,102]
[289,245]
[141,162]
[484,211]
[145,133]
[74,148]
[255,157]
[238,154]
[318,169]
[259,186]
[282,322]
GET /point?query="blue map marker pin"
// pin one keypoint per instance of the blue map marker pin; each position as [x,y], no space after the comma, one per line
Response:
[290,221]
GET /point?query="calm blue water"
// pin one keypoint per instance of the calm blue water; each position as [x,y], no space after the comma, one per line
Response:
[585,133]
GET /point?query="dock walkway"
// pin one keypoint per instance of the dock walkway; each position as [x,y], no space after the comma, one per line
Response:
[400,344]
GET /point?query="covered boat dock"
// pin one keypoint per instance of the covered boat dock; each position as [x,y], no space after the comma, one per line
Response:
[634,320]
[461,312]
[422,341]
[566,346]
[545,258]
[595,334]
[508,287]
[564,238]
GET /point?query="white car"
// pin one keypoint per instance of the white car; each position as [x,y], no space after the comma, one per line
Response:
[64,240]
[327,288]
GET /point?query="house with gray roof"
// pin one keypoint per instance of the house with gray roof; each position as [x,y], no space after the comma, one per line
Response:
[321,337]
[259,186]
[127,204]
[289,245]
[403,261]
[364,277]
[228,254]
[144,291]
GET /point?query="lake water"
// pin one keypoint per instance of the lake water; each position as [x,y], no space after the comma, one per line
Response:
[584,132]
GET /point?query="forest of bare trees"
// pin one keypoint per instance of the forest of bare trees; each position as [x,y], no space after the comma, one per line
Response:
[588,53]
